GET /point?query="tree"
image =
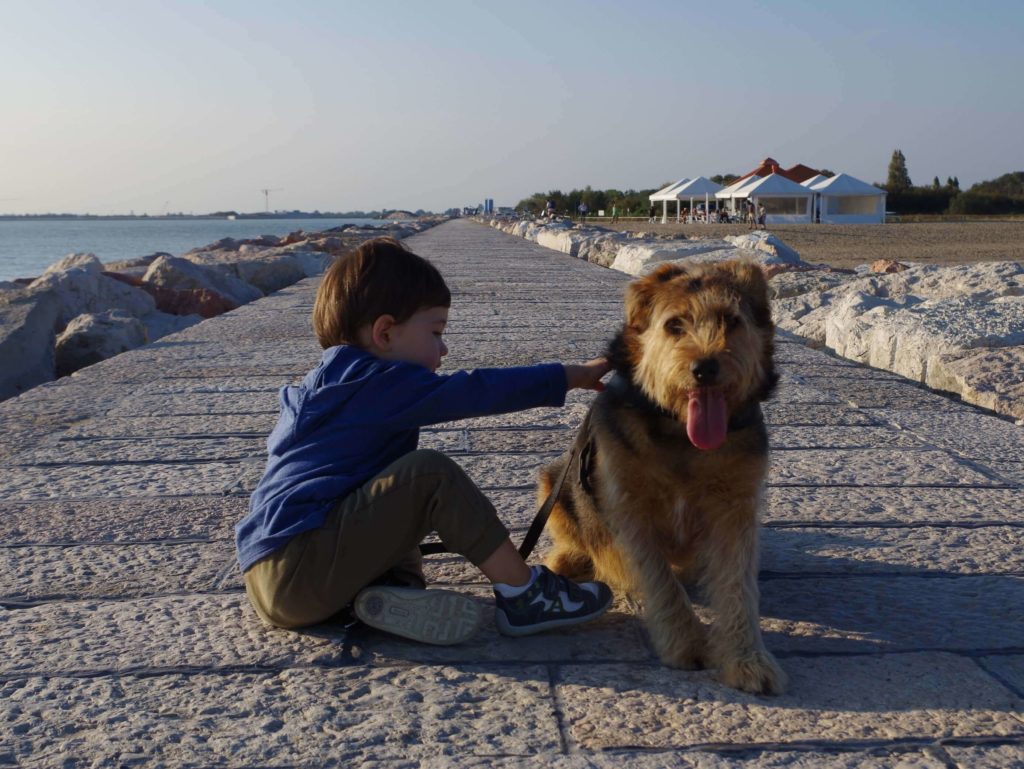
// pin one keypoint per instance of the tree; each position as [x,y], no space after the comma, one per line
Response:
[827,172]
[935,183]
[899,179]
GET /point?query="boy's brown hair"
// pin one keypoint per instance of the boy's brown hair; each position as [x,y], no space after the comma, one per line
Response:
[380,277]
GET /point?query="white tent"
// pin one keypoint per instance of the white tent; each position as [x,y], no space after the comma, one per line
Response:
[813,180]
[735,190]
[846,200]
[785,201]
[694,189]
[665,195]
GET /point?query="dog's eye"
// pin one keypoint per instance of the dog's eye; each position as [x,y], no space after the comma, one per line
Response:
[674,326]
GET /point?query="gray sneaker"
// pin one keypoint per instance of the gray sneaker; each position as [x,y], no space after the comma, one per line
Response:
[440,617]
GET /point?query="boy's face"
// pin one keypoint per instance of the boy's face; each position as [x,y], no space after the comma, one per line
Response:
[418,340]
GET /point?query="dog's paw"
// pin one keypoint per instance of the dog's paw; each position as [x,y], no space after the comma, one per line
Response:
[688,653]
[756,672]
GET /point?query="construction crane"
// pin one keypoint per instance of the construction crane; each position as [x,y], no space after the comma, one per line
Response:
[266,195]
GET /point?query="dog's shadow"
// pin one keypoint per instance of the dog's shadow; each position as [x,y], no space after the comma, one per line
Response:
[844,591]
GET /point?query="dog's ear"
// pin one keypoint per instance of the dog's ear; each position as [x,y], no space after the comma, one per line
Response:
[640,295]
[750,280]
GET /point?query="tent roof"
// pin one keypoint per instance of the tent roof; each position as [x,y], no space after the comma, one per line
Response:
[844,184]
[696,187]
[665,193]
[813,180]
[776,186]
[734,188]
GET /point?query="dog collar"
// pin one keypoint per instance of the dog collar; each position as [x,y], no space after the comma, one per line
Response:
[632,396]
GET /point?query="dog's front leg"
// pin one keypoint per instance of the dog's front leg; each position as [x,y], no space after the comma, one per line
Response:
[677,633]
[730,576]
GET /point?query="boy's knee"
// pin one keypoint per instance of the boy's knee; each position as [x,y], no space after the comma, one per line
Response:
[431,460]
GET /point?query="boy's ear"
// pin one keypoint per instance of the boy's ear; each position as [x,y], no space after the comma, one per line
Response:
[380,331]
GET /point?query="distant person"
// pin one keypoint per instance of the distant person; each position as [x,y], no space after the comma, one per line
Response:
[549,210]
[347,497]
[749,214]
[583,212]
[615,213]
[762,215]
[650,213]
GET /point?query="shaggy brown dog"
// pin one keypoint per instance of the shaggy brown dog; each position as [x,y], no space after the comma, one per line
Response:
[671,463]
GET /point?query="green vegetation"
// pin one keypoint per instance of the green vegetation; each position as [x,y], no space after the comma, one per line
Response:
[899,177]
[627,202]
[1001,196]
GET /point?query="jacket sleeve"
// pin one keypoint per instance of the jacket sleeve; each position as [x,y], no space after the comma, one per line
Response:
[415,397]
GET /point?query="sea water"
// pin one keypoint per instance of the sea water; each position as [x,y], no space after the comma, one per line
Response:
[29,246]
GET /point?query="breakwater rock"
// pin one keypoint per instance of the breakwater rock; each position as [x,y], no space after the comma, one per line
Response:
[81,311]
[959,329]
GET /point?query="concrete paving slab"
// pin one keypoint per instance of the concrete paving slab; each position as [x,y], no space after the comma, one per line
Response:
[987,757]
[92,481]
[197,403]
[837,505]
[869,614]
[915,551]
[222,630]
[163,450]
[37,573]
[1007,668]
[1010,472]
[875,467]
[131,519]
[299,717]
[831,700]
[836,437]
[191,425]
[813,415]
[782,757]
[970,434]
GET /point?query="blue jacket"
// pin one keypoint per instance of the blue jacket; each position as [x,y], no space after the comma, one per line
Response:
[355,414]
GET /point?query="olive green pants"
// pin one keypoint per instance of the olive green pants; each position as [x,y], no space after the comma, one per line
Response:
[375,530]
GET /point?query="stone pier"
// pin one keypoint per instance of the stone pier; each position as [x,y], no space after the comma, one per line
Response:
[892,568]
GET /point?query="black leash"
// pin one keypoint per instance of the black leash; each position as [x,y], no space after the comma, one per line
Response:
[539,520]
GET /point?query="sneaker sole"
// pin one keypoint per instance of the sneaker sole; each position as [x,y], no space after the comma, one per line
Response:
[439,617]
[502,623]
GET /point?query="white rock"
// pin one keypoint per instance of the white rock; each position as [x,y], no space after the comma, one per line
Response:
[80,287]
[28,322]
[560,239]
[90,338]
[175,272]
[71,261]
[269,269]
[987,377]
[766,243]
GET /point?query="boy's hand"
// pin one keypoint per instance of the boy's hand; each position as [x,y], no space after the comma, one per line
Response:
[587,376]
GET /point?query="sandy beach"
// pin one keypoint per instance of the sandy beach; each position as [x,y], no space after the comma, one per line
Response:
[848,245]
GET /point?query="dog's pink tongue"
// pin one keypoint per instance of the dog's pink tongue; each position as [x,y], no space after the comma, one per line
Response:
[706,418]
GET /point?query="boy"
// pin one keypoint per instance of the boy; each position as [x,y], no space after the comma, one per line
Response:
[346,497]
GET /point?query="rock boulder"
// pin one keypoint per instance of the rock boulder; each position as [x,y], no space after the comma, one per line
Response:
[80,288]
[28,322]
[90,338]
[171,272]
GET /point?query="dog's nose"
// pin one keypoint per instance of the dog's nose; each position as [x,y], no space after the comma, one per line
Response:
[704,371]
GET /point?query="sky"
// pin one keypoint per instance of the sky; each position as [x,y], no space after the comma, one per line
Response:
[151,107]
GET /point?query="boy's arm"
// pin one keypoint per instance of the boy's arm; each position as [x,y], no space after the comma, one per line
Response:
[429,398]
